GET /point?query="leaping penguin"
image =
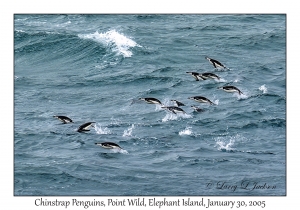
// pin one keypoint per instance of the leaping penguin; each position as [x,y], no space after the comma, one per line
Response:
[174,109]
[216,63]
[208,75]
[178,103]
[85,127]
[197,109]
[64,119]
[231,89]
[109,145]
[201,99]
[151,100]
[196,75]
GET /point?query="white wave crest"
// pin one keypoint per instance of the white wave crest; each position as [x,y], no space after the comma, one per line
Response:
[100,130]
[187,131]
[121,44]
[128,132]
[263,88]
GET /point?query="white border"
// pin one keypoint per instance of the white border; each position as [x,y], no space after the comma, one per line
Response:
[9,8]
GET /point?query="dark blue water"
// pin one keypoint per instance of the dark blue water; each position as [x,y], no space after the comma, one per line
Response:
[96,67]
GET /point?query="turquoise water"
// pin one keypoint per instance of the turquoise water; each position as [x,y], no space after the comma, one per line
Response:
[96,67]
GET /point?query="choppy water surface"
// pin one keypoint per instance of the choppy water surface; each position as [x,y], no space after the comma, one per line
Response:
[96,67]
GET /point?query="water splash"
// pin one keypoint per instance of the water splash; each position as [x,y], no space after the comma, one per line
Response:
[123,151]
[119,42]
[115,121]
[128,132]
[115,150]
[226,146]
[100,130]
[221,80]
[216,102]
[242,96]
[263,88]
[171,116]
[158,107]
[187,131]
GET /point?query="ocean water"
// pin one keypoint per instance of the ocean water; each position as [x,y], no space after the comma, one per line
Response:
[94,68]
